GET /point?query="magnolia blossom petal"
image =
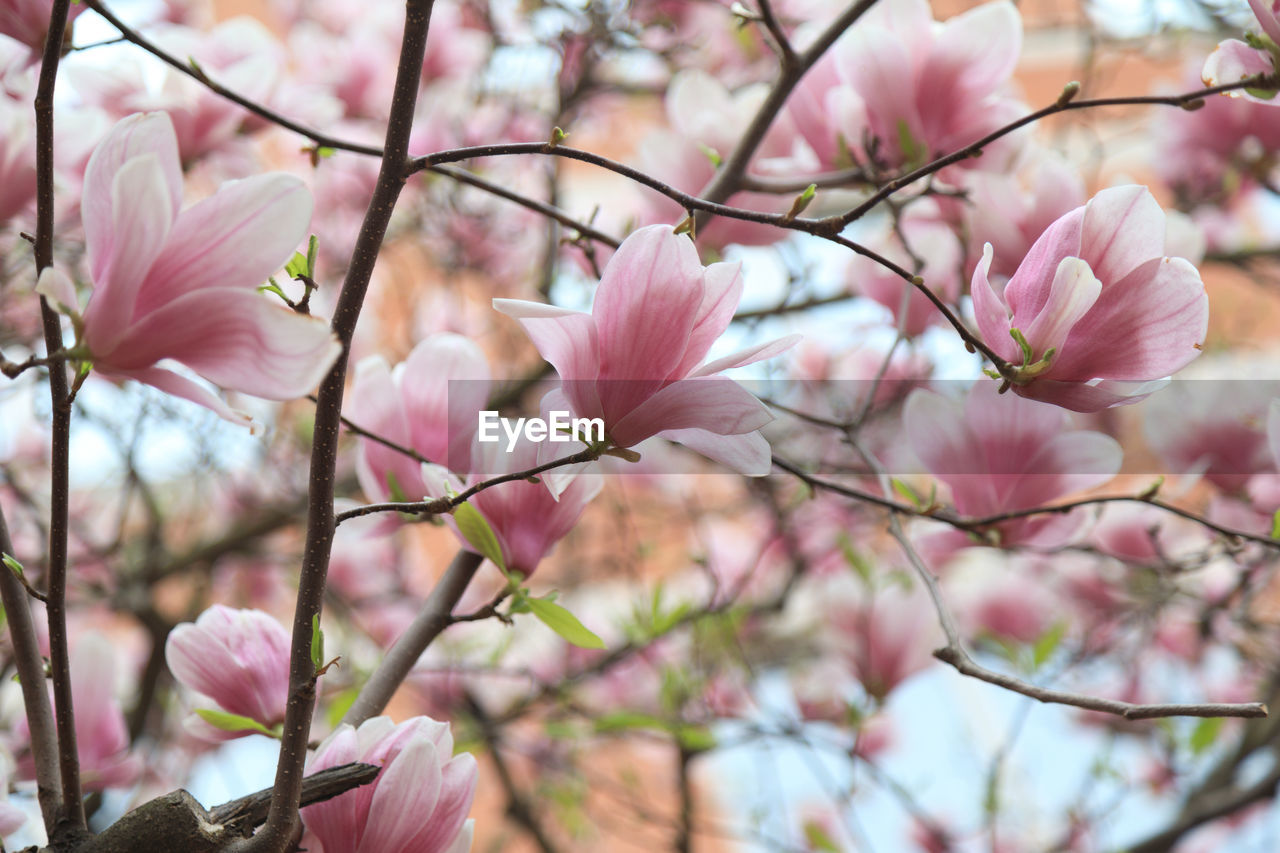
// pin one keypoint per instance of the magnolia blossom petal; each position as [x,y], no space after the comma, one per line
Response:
[750,355]
[405,799]
[139,226]
[1265,12]
[144,133]
[1234,61]
[235,238]
[654,273]
[449,820]
[237,339]
[1090,396]
[715,404]
[1075,290]
[975,51]
[446,383]
[990,312]
[748,454]
[719,301]
[375,406]
[180,386]
[567,341]
[1123,229]
[878,67]
[1145,329]
[57,287]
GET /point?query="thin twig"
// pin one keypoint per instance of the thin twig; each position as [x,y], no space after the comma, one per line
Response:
[434,617]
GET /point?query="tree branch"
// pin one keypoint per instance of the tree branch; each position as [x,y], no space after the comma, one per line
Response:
[434,617]
[282,820]
[35,697]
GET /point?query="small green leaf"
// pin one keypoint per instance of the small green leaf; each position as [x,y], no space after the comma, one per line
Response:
[817,839]
[339,706]
[1047,643]
[313,250]
[1275,525]
[1204,734]
[695,738]
[229,722]
[297,265]
[802,201]
[912,150]
[1152,490]
[905,491]
[855,560]
[325,151]
[557,136]
[711,154]
[13,565]
[1021,340]
[394,490]
[317,643]
[272,287]
[564,623]
[476,530]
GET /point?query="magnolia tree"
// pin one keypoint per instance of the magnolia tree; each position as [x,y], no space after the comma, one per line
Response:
[958,564]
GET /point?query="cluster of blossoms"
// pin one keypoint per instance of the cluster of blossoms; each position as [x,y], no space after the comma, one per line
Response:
[1082,304]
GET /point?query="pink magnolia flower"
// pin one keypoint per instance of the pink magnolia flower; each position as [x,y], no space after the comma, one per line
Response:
[902,87]
[1214,428]
[706,120]
[888,637]
[527,518]
[1000,453]
[418,803]
[428,403]
[28,21]
[17,159]
[1236,60]
[102,736]
[183,285]
[1106,316]
[237,658]
[239,53]
[634,360]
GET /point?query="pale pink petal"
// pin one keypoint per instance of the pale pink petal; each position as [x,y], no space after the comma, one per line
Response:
[1146,327]
[1029,288]
[975,52]
[567,341]
[460,777]
[55,286]
[12,818]
[138,228]
[879,68]
[1266,15]
[404,800]
[712,403]
[445,385]
[180,386]
[654,273]
[750,355]
[1074,292]
[720,299]
[1093,396]
[748,454]
[990,312]
[237,339]
[237,237]
[1123,229]
[376,406]
[144,133]
[1234,61]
